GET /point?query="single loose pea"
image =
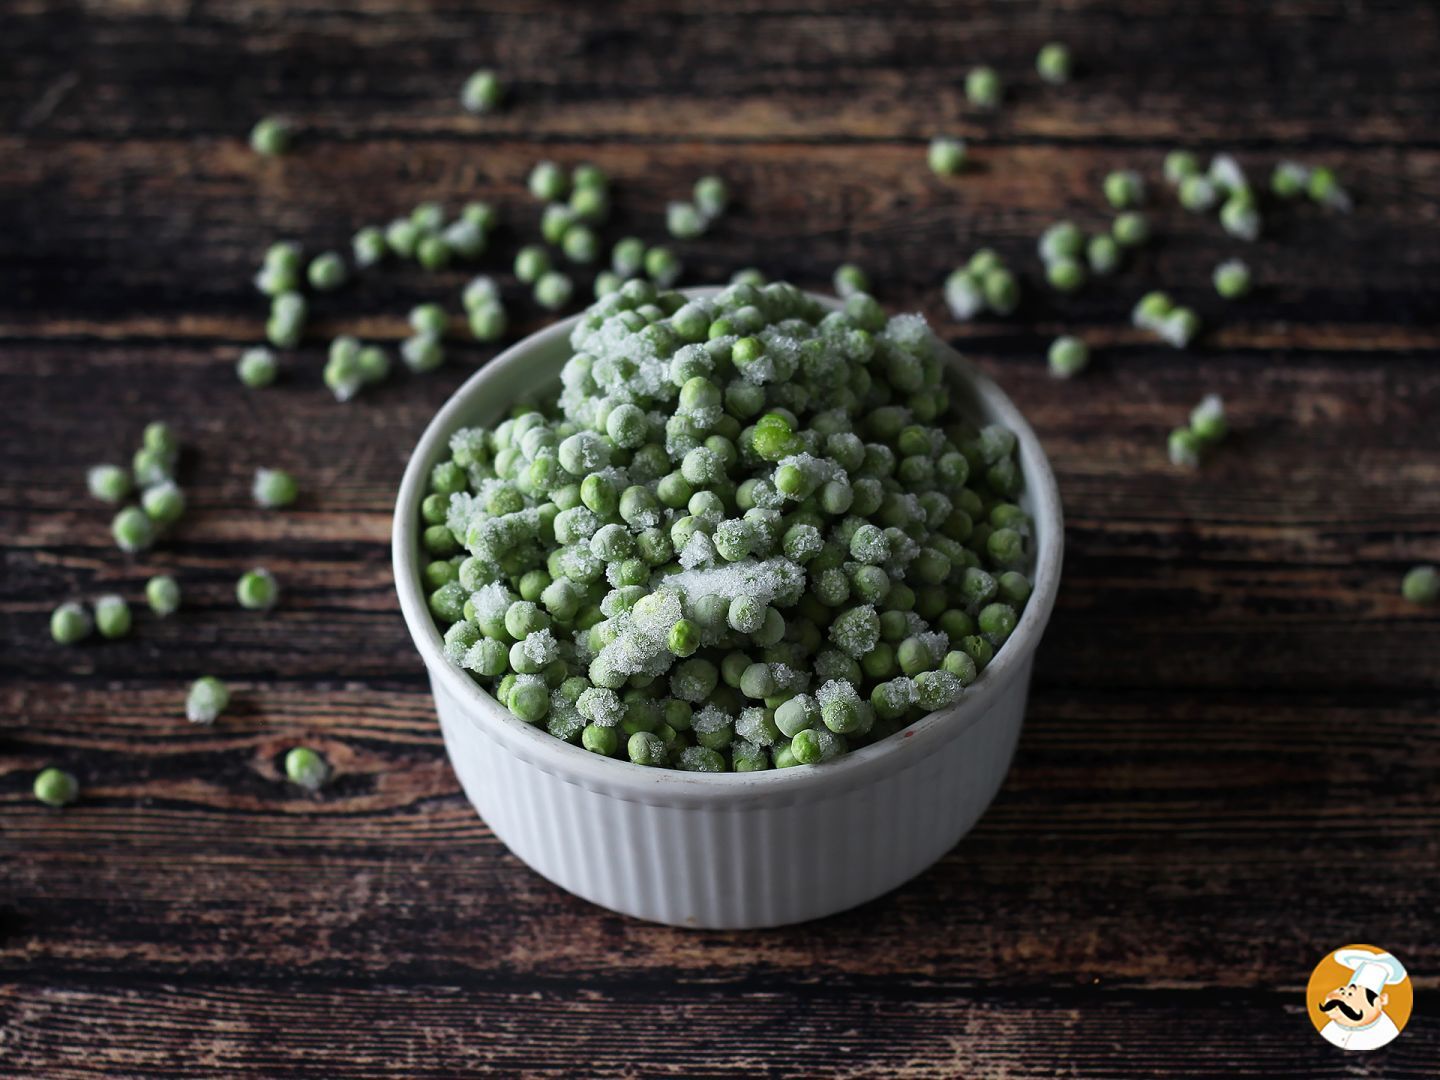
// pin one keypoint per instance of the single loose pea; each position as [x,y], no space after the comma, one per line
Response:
[1240,218]
[1232,279]
[208,698]
[273,488]
[711,196]
[1324,188]
[162,593]
[531,262]
[56,787]
[256,590]
[270,137]
[661,266]
[1068,356]
[553,290]
[1102,253]
[1124,189]
[1180,164]
[1130,229]
[422,353]
[1179,328]
[326,272]
[1421,585]
[70,623]
[946,157]
[627,258]
[306,768]
[683,221]
[257,368]
[547,181]
[1151,310]
[1289,180]
[1065,274]
[433,252]
[983,88]
[133,530]
[368,246]
[481,92]
[1053,63]
[1198,194]
[1062,240]
[488,322]
[849,279]
[112,616]
[1184,448]
[164,503]
[108,483]
[1001,289]
[580,244]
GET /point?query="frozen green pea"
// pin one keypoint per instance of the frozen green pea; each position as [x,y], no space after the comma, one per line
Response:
[326,272]
[70,623]
[273,488]
[627,258]
[368,247]
[1065,274]
[133,530]
[1124,189]
[983,88]
[422,353]
[580,244]
[1180,164]
[207,700]
[162,593]
[108,483]
[1240,218]
[1062,240]
[1179,328]
[402,236]
[683,221]
[1184,448]
[946,157]
[433,252]
[1151,310]
[1324,188]
[1130,229]
[1207,419]
[257,368]
[1232,279]
[256,590]
[548,181]
[112,616]
[661,266]
[164,503]
[1421,585]
[1102,253]
[711,196]
[481,92]
[1289,180]
[1198,194]
[531,263]
[306,768]
[56,787]
[553,290]
[270,137]
[1053,63]
[429,319]
[1068,356]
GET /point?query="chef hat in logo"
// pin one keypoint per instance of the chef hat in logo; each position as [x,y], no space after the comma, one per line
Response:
[1373,971]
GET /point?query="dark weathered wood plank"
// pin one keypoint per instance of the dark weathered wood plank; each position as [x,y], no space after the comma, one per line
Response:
[162,237]
[1292,73]
[542,1030]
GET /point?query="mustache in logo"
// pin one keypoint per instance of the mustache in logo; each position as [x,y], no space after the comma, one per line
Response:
[1353,1014]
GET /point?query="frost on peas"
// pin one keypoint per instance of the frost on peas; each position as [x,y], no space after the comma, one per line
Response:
[707,486]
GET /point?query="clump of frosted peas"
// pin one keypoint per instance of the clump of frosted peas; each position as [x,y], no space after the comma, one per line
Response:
[1207,426]
[743,533]
[984,283]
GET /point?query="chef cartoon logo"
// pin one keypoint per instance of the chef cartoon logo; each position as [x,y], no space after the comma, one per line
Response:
[1359,998]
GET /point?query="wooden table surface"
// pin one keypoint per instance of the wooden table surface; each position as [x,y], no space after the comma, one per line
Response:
[1229,766]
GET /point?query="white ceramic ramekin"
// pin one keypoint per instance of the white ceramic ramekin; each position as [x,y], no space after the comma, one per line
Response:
[725,850]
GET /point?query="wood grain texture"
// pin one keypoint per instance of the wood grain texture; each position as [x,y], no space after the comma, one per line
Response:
[1230,757]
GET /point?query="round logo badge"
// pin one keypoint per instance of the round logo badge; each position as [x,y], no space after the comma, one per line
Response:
[1359,998]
